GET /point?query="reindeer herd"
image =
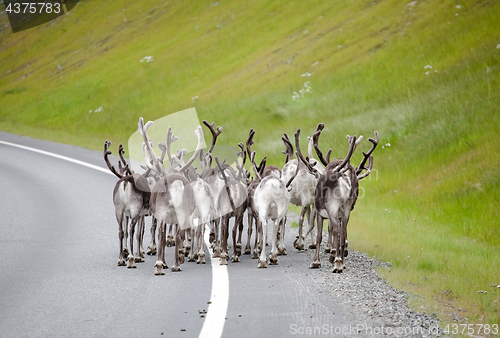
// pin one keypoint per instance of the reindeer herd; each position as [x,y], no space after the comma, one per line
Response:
[186,200]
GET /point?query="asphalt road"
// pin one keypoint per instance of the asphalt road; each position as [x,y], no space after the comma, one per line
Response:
[59,277]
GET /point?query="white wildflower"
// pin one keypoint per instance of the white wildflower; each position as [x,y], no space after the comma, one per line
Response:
[428,67]
[488,70]
[458,6]
[147,59]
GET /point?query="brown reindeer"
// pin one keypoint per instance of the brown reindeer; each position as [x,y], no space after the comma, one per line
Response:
[336,194]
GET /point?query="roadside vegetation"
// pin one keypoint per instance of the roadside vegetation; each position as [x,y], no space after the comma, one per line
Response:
[425,74]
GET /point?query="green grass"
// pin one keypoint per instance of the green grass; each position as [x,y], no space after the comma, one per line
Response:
[439,178]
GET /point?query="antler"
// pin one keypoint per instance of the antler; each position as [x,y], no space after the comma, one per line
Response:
[107,152]
[315,138]
[147,145]
[289,148]
[125,167]
[163,149]
[311,169]
[170,139]
[367,156]
[249,141]
[199,133]
[352,145]
[225,183]
[243,154]
[254,167]
[211,126]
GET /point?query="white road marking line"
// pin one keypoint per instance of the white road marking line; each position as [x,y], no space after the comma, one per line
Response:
[217,309]
[61,157]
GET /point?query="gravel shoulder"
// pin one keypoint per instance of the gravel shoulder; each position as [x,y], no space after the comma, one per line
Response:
[373,308]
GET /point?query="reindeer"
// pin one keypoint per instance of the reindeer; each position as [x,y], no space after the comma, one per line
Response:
[172,198]
[231,202]
[270,200]
[263,171]
[131,197]
[336,194]
[302,188]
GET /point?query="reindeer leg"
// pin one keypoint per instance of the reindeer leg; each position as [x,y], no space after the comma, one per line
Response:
[299,242]
[201,247]
[316,262]
[130,258]
[170,237]
[235,257]
[139,255]
[310,226]
[190,248]
[120,219]
[225,235]
[343,237]
[335,257]
[263,241]
[178,249]
[160,263]
[281,246]
[273,257]
[211,237]
[125,237]
[217,248]
[239,221]
[152,245]
[329,243]
[258,235]
[248,248]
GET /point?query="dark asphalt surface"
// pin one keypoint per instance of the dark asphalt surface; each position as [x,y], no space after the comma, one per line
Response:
[59,278]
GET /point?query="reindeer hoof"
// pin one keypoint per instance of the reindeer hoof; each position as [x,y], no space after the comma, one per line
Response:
[159,268]
[223,260]
[176,268]
[170,242]
[201,259]
[312,246]
[191,259]
[121,262]
[273,259]
[181,256]
[217,253]
[138,259]
[247,251]
[346,252]
[151,250]
[262,264]
[315,265]
[327,250]
[282,251]
[338,265]
[238,249]
[298,243]
[235,259]
[255,254]
[131,263]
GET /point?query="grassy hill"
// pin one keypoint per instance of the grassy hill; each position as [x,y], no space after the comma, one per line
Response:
[424,74]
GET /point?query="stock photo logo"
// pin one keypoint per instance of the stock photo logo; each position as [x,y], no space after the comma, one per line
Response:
[26,14]
[175,141]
